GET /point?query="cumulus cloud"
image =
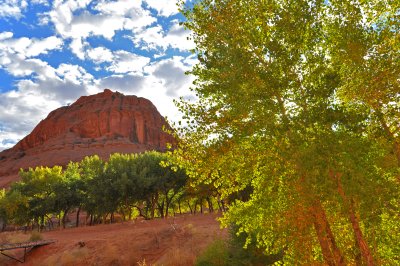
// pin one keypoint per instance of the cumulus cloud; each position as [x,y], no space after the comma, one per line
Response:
[66,82]
[20,111]
[43,46]
[100,55]
[110,18]
[178,37]
[164,8]
[120,8]
[5,35]
[153,38]
[33,99]
[171,73]
[28,47]
[12,8]
[42,2]
[129,84]
[125,62]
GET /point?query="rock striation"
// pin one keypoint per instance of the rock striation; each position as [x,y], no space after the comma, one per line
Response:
[100,124]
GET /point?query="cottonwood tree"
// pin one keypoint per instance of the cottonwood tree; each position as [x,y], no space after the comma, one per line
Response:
[69,192]
[37,190]
[158,183]
[298,100]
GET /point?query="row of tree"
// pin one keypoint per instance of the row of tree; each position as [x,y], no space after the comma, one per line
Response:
[126,184]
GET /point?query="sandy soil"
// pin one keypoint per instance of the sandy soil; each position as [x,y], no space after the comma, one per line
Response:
[173,241]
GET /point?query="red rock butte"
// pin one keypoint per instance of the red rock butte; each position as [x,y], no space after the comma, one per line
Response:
[101,124]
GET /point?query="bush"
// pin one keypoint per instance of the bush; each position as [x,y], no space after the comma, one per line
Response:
[252,255]
[35,236]
[216,254]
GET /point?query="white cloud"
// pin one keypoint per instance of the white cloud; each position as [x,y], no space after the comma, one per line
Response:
[150,38]
[120,8]
[77,47]
[100,55]
[42,2]
[38,47]
[19,66]
[74,73]
[12,8]
[26,47]
[125,62]
[111,17]
[153,38]
[129,83]
[6,35]
[178,37]
[29,106]
[171,73]
[164,8]
[62,83]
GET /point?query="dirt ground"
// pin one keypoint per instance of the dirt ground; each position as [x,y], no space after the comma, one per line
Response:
[173,241]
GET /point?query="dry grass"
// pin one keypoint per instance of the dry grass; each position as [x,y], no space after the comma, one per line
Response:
[111,255]
[175,241]
[35,236]
[13,237]
[180,257]
[188,245]
[18,237]
[68,257]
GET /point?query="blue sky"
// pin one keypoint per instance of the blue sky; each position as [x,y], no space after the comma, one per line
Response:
[53,52]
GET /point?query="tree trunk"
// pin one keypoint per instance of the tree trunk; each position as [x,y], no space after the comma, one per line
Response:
[179,206]
[396,147]
[223,205]
[64,216]
[330,251]
[219,206]
[355,224]
[195,207]
[3,224]
[141,212]
[190,207]
[161,208]
[389,134]
[41,226]
[77,217]
[361,243]
[210,205]
[154,202]
[166,208]
[324,244]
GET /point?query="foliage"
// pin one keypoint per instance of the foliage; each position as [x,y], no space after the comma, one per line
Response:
[100,188]
[251,255]
[298,108]
[216,254]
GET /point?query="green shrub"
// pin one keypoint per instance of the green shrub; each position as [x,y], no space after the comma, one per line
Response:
[35,236]
[252,255]
[216,254]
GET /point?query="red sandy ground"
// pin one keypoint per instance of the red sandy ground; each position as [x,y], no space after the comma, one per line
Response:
[173,241]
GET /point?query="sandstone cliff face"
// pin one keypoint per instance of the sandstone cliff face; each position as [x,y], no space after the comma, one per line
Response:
[100,124]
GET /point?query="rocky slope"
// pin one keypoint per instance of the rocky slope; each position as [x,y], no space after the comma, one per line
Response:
[100,124]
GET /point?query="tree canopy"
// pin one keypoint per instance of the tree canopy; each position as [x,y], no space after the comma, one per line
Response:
[298,107]
[124,183]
